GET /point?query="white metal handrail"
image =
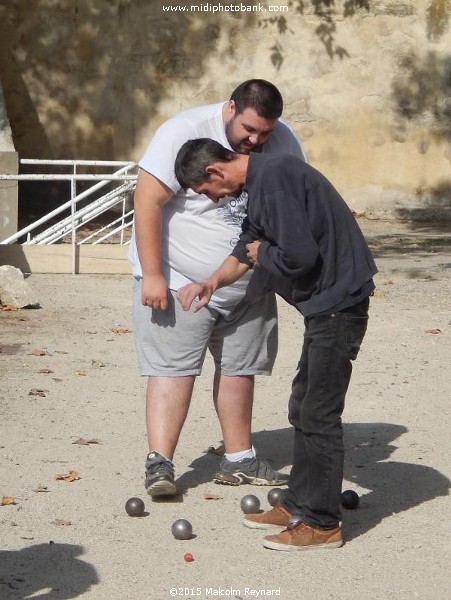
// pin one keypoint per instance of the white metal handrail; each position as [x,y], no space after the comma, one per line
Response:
[124,224]
[104,179]
[79,217]
[82,216]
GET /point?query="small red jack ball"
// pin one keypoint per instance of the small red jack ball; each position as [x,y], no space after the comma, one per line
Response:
[188,557]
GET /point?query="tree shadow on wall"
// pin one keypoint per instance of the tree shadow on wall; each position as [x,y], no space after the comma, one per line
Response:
[422,95]
[76,74]
[327,15]
[76,56]
[93,68]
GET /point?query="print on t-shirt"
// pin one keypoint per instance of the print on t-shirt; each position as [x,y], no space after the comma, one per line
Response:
[234,213]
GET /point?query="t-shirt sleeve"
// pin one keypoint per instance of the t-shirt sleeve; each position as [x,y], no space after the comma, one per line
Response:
[160,155]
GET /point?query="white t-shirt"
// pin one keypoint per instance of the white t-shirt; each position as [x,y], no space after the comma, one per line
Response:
[198,234]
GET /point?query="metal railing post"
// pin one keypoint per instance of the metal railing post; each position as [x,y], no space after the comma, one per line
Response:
[123,216]
[73,193]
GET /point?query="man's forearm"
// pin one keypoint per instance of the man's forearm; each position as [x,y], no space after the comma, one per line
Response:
[229,272]
[150,197]
[148,239]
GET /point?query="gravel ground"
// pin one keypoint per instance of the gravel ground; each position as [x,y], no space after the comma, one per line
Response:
[71,402]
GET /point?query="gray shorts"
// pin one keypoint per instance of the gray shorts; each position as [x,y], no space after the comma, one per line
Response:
[173,343]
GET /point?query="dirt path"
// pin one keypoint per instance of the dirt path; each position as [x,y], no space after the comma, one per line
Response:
[73,539]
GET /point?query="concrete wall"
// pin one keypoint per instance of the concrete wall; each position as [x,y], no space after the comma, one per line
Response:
[366,83]
[8,164]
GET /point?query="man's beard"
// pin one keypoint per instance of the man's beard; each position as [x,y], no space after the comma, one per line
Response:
[241,146]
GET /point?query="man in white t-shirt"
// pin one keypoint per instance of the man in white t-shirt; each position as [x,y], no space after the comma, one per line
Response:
[180,237]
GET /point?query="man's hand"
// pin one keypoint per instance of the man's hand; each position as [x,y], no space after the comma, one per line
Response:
[229,272]
[252,251]
[187,294]
[155,292]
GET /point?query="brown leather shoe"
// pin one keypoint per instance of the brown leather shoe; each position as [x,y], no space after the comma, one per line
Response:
[276,517]
[300,536]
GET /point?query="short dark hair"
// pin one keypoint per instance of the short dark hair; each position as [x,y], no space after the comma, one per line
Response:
[260,95]
[195,156]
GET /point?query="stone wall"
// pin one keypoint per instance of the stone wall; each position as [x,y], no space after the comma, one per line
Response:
[366,83]
[8,164]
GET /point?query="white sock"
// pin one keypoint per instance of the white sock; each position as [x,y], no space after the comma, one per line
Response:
[165,457]
[241,455]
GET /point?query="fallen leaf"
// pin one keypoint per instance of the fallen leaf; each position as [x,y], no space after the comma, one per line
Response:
[97,364]
[9,307]
[378,294]
[68,477]
[81,372]
[45,370]
[7,500]
[36,392]
[83,442]
[388,282]
[210,496]
[38,352]
[121,331]
[61,522]
[41,488]
[433,331]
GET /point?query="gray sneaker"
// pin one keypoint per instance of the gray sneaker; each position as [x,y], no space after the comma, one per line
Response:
[159,476]
[251,470]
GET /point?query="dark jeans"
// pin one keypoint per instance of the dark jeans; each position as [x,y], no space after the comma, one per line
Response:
[315,407]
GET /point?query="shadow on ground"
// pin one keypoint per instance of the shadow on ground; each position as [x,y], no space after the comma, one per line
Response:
[420,249]
[393,487]
[275,445]
[391,237]
[48,571]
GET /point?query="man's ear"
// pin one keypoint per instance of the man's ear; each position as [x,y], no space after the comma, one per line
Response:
[231,108]
[215,170]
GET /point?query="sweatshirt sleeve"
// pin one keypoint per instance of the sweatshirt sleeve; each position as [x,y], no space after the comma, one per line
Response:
[289,248]
[249,234]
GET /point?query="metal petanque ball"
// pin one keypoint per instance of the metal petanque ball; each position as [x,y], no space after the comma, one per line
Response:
[349,499]
[134,507]
[275,495]
[250,504]
[293,521]
[182,529]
